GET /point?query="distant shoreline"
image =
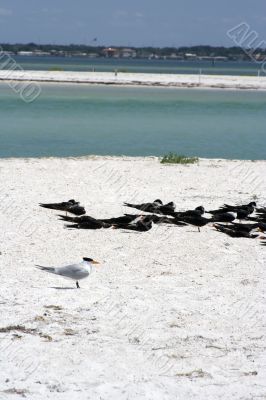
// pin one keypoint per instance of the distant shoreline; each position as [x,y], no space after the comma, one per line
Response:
[194,81]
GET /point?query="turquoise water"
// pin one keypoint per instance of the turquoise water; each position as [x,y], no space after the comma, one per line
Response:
[75,120]
[139,65]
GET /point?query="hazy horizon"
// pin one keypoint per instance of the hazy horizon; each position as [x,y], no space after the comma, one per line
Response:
[121,23]
[111,45]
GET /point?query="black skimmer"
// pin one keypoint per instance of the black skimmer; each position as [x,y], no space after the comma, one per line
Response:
[198,221]
[235,233]
[90,223]
[156,207]
[250,207]
[243,227]
[70,206]
[124,219]
[142,225]
[146,206]
[167,209]
[77,220]
[224,217]
[197,212]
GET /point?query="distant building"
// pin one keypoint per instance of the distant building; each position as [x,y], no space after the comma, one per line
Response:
[25,53]
[153,56]
[110,52]
[191,56]
[128,53]
[116,53]
[41,53]
[174,56]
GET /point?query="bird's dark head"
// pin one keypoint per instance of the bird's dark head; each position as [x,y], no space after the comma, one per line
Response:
[201,209]
[146,220]
[90,260]
[171,204]
[72,201]
[253,204]
[158,201]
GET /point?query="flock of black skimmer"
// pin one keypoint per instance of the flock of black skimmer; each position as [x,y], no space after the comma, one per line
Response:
[251,219]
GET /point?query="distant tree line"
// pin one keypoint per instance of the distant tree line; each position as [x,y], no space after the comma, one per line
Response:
[201,51]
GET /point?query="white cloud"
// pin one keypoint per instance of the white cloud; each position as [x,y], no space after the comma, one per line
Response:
[5,12]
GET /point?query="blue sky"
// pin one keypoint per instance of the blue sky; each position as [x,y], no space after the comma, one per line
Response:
[128,22]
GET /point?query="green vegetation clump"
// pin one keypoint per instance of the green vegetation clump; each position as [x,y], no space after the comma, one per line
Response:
[173,158]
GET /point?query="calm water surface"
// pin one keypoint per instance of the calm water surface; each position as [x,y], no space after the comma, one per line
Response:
[75,120]
[140,65]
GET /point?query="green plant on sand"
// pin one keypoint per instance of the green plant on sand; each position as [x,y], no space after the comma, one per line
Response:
[173,158]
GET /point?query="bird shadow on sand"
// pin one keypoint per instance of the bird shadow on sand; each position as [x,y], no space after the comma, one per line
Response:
[63,288]
[132,232]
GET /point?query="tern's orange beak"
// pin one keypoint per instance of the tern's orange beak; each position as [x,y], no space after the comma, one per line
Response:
[94,262]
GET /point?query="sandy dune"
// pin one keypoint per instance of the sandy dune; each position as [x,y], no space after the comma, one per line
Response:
[170,314]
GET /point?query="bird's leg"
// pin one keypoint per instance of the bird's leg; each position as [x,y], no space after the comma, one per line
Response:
[77,284]
[198,229]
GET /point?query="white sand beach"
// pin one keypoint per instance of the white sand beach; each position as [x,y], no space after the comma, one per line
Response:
[169,314]
[137,79]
